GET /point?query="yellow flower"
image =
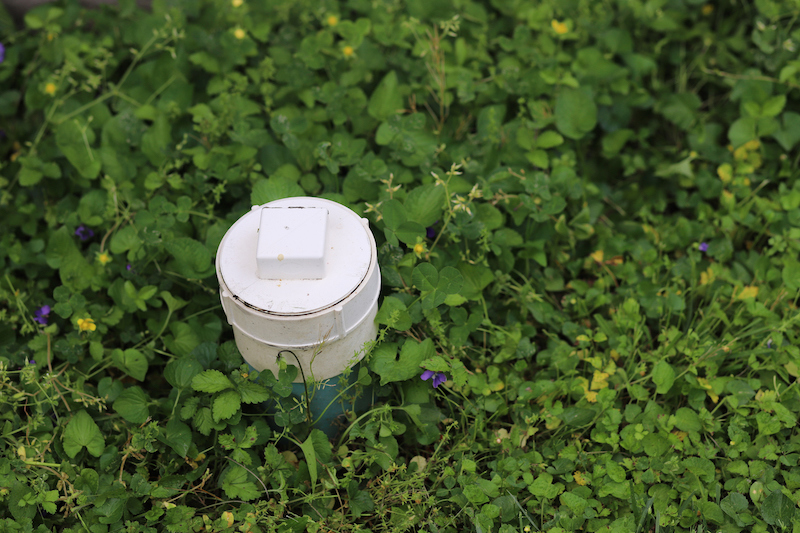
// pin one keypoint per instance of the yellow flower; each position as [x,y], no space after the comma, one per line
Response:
[50,36]
[237,3]
[104,258]
[239,33]
[559,27]
[707,9]
[333,20]
[419,248]
[86,324]
[347,51]
[50,88]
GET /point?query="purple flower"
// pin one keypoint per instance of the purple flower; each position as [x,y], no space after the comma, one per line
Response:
[128,267]
[31,362]
[40,315]
[84,233]
[769,344]
[703,246]
[431,232]
[2,53]
[438,377]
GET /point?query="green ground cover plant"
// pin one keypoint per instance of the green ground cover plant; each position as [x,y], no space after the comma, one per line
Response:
[588,221]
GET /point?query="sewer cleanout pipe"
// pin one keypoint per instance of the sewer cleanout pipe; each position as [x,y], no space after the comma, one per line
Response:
[299,278]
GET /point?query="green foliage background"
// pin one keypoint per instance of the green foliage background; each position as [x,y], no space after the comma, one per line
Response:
[539,176]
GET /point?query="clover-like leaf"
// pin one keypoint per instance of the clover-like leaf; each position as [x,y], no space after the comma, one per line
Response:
[391,366]
[450,280]
[425,276]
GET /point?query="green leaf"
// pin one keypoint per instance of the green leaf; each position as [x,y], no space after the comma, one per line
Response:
[687,420]
[476,278]
[311,459]
[663,376]
[700,467]
[173,303]
[393,312]
[75,142]
[274,188]
[237,485]
[538,158]
[394,214]
[252,392]
[774,106]
[132,405]
[742,131]
[92,207]
[226,405]
[424,204]
[425,277]
[322,446]
[191,258]
[206,61]
[211,381]
[789,134]
[791,273]
[450,280]
[577,416]
[82,432]
[777,509]
[360,503]
[575,503]
[576,112]
[391,366]
[178,436]
[549,139]
[180,372]
[386,99]
[132,362]
[156,141]
[409,232]
[125,239]
[204,421]
[733,504]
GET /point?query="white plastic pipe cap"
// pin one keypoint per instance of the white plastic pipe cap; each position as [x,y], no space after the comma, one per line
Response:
[300,274]
[291,243]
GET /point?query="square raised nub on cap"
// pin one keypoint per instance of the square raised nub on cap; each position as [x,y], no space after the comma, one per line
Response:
[291,243]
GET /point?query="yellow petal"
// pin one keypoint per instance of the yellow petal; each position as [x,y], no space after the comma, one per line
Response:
[559,27]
